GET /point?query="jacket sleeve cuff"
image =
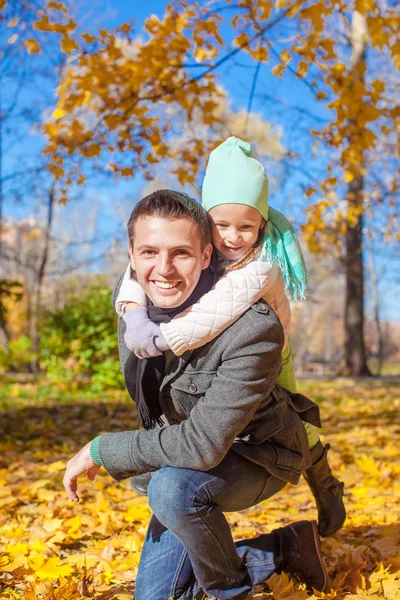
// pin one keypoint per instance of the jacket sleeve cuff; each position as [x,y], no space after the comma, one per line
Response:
[173,338]
[116,454]
[94,450]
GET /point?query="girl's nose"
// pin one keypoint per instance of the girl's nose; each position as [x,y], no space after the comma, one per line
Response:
[233,237]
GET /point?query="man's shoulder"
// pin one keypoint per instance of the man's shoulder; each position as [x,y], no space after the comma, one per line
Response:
[260,322]
[261,314]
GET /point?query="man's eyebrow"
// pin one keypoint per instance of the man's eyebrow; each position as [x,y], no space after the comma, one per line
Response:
[180,247]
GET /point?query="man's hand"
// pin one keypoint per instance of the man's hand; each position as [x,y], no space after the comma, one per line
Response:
[143,337]
[78,464]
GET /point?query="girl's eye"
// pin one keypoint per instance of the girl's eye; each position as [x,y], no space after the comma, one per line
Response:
[247,226]
[221,225]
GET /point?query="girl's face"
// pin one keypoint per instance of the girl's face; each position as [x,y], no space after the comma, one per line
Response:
[235,229]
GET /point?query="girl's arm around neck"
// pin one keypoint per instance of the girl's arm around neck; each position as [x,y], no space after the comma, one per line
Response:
[130,292]
[230,297]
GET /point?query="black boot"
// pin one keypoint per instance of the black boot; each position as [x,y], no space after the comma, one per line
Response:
[140,483]
[308,566]
[327,491]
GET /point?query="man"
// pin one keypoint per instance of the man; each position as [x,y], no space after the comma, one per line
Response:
[233,437]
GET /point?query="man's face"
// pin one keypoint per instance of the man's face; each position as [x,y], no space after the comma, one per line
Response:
[168,259]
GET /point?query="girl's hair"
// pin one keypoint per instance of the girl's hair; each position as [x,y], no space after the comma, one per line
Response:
[250,254]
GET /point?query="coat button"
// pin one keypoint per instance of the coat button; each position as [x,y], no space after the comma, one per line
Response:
[192,388]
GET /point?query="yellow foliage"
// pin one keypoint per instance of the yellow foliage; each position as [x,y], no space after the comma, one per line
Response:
[32,46]
[51,549]
[241,39]
[279,70]
[57,6]
[68,44]
[285,56]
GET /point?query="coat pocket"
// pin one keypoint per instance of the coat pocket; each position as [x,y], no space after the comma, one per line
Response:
[187,389]
[262,428]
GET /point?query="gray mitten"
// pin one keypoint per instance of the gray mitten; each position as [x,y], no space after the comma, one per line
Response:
[142,336]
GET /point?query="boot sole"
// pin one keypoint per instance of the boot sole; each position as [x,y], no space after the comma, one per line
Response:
[318,546]
[328,535]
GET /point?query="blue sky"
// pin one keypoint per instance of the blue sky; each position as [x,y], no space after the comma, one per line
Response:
[109,204]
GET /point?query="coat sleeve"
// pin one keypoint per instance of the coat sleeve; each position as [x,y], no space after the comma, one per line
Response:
[247,373]
[129,291]
[230,297]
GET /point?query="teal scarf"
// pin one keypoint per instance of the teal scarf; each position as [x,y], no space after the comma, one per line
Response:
[281,246]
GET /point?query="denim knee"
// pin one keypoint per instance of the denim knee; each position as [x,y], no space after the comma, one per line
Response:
[172,495]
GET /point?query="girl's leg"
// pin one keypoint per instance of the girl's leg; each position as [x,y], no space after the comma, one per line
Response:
[287,379]
[326,489]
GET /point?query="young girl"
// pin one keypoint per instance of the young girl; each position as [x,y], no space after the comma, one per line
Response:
[258,253]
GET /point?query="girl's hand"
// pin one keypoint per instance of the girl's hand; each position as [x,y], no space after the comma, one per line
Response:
[142,336]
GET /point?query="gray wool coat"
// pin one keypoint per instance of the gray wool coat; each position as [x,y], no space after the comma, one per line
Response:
[219,397]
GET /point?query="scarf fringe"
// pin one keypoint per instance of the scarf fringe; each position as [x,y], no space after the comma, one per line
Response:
[281,247]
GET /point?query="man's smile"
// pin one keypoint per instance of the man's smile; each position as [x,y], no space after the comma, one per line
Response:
[166,286]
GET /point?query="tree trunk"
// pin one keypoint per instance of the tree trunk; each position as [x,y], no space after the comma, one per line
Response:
[37,296]
[354,349]
[375,302]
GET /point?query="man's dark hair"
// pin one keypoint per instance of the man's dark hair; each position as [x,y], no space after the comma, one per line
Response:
[167,204]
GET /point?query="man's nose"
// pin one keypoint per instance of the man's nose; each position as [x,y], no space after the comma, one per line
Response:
[165,265]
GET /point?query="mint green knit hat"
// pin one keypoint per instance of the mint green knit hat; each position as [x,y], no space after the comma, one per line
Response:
[233,176]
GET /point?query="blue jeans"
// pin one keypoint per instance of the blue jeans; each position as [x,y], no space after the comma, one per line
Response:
[189,545]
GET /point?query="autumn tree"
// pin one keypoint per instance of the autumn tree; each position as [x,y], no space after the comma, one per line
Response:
[120,90]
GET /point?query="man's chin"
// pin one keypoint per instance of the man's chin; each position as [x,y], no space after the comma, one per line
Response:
[167,301]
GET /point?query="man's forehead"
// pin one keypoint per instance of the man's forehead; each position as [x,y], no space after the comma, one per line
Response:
[180,231]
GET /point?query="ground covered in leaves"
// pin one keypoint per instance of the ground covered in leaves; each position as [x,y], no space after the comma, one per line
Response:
[51,549]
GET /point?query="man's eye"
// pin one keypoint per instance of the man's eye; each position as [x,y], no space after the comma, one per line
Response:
[182,253]
[148,252]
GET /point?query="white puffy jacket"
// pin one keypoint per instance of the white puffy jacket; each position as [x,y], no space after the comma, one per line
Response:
[230,297]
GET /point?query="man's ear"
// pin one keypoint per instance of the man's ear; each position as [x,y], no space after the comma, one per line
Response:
[206,256]
[130,250]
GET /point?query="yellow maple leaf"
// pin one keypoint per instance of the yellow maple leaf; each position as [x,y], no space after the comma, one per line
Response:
[68,44]
[30,591]
[53,524]
[88,38]
[348,176]
[57,6]
[56,467]
[32,46]
[58,113]
[127,172]
[241,39]
[51,569]
[90,151]
[279,70]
